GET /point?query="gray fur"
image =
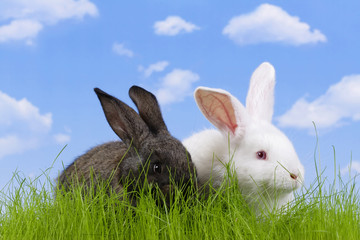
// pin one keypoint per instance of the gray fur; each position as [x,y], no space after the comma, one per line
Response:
[145,142]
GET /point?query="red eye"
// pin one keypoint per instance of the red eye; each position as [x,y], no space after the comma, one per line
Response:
[261,155]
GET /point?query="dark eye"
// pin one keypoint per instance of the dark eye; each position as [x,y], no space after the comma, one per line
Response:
[157,168]
[261,155]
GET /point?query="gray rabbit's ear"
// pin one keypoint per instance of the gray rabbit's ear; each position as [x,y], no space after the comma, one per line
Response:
[149,109]
[124,121]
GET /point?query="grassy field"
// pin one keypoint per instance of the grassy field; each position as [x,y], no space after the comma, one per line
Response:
[30,211]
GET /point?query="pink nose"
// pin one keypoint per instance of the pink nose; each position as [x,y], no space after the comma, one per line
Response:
[293,176]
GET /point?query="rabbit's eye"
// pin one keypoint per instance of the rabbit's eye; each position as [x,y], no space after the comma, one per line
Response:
[157,168]
[261,155]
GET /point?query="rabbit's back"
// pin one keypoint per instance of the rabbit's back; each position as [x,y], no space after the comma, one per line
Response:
[99,163]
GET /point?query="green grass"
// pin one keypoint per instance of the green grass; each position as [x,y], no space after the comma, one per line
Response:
[30,211]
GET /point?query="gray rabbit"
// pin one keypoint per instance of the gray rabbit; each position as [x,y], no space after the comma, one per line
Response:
[146,147]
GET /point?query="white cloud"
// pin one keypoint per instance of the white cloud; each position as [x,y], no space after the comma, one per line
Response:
[269,23]
[62,138]
[120,49]
[354,166]
[20,29]
[156,67]
[25,19]
[340,103]
[22,127]
[173,25]
[13,112]
[13,144]
[176,85]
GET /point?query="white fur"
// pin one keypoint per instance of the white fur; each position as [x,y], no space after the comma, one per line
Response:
[264,183]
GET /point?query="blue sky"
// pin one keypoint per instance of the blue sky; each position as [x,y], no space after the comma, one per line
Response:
[53,53]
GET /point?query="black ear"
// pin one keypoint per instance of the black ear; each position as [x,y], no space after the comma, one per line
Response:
[124,121]
[149,109]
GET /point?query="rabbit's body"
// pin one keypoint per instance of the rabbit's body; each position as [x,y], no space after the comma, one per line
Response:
[210,153]
[147,151]
[203,146]
[263,158]
[105,163]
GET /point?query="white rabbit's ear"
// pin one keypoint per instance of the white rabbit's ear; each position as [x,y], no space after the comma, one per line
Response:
[260,98]
[222,109]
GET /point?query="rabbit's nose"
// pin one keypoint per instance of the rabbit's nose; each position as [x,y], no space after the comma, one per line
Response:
[293,176]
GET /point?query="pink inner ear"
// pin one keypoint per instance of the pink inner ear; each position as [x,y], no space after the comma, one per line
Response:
[218,109]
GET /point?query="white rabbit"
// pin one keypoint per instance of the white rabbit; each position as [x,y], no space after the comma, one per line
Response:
[265,162]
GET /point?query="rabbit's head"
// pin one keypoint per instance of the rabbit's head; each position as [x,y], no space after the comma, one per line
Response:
[152,152]
[264,158]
